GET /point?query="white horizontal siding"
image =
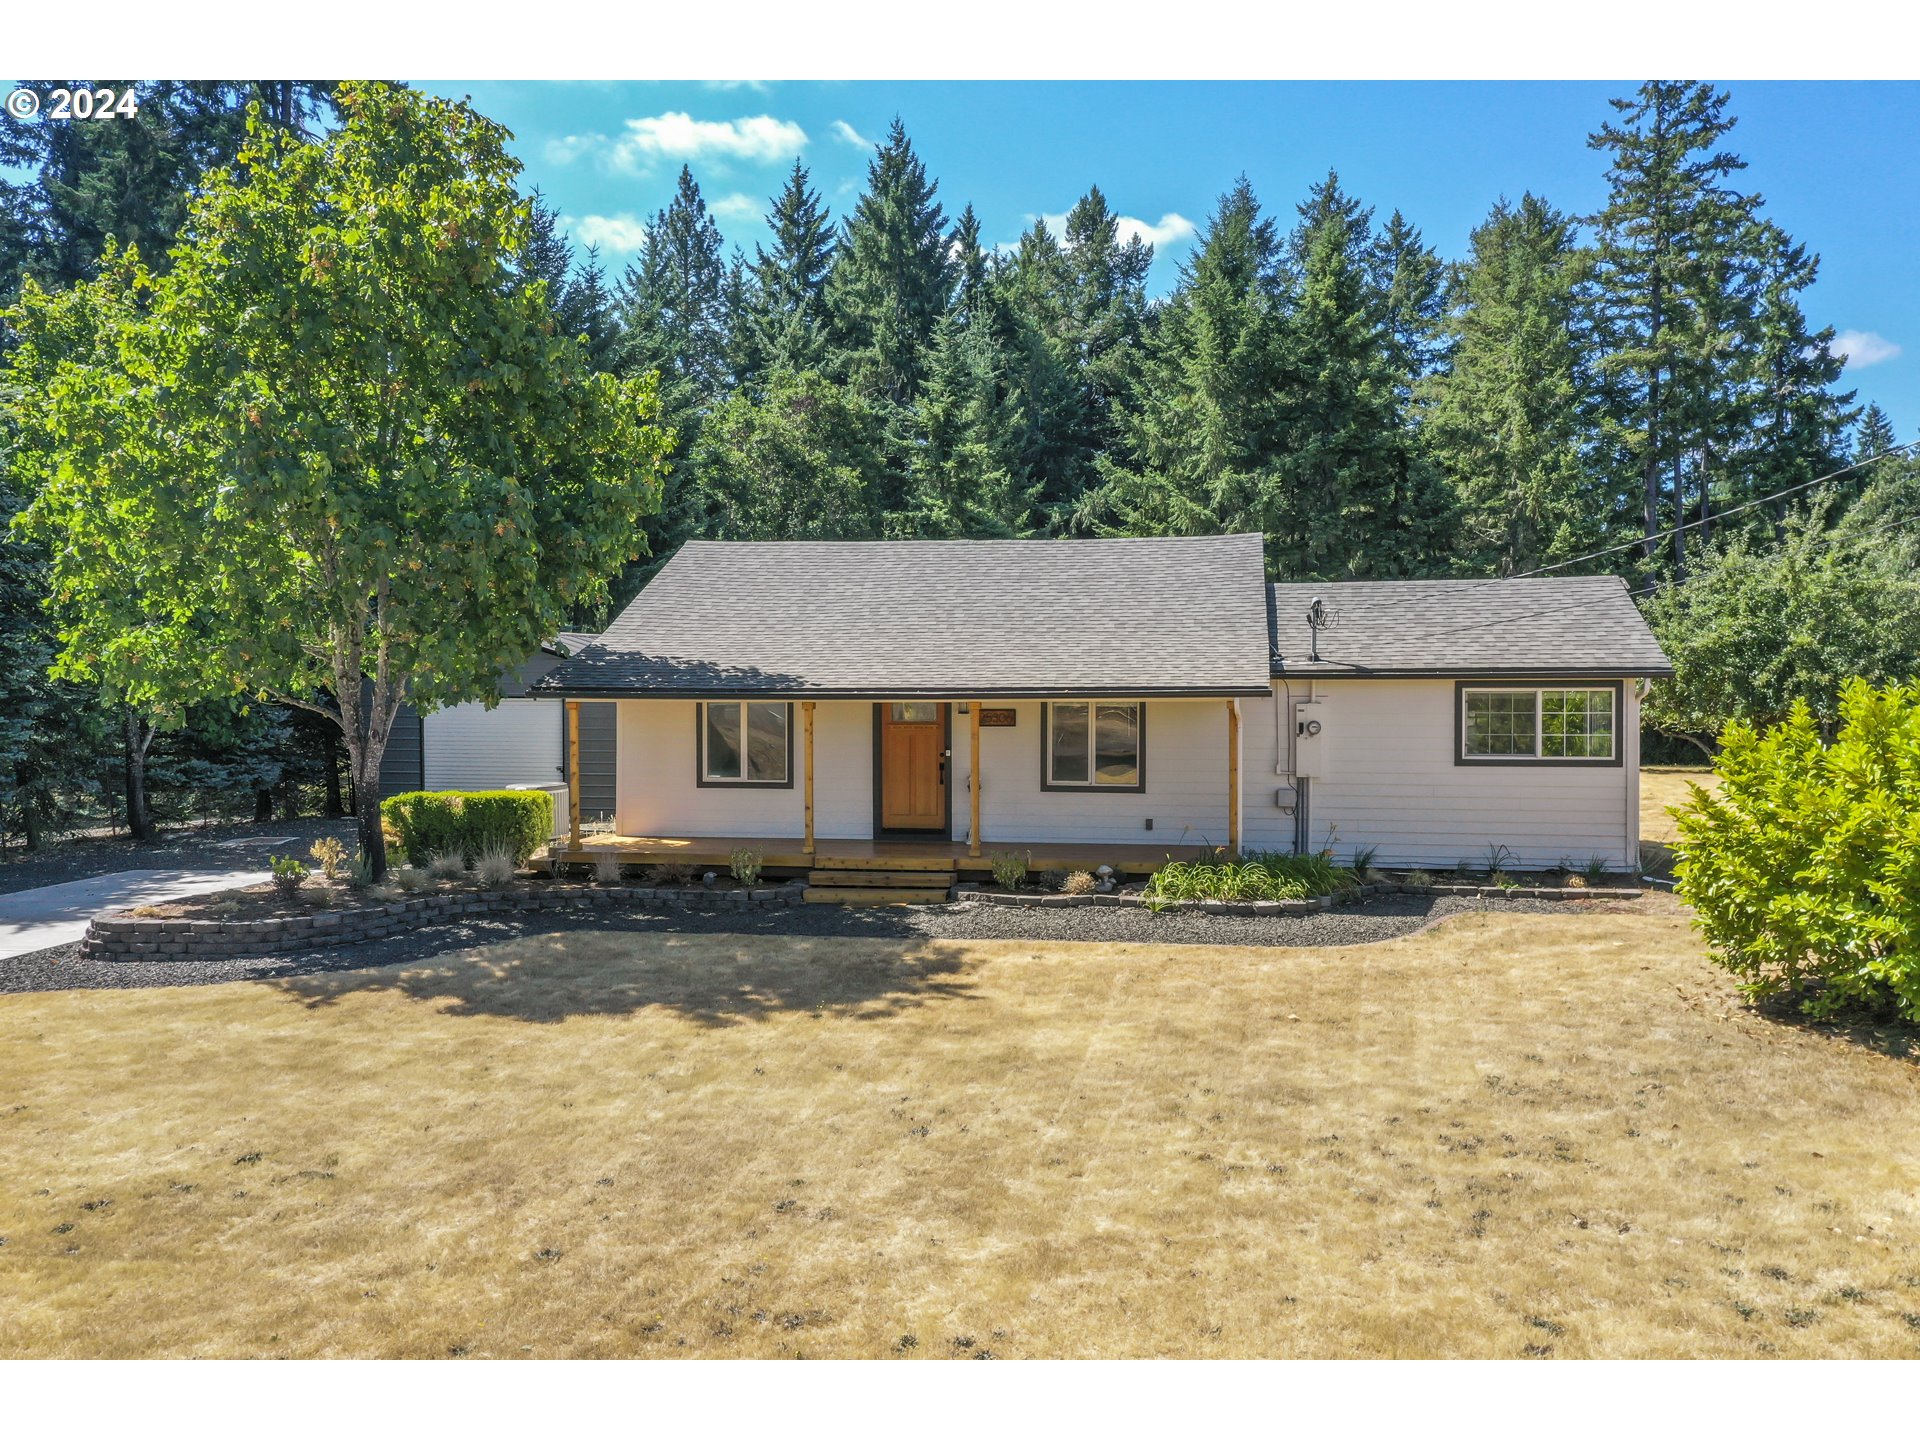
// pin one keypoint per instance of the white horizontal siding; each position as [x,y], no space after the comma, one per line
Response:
[1186,775]
[469,747]
[658,793]
[1185,797]
[1391,782]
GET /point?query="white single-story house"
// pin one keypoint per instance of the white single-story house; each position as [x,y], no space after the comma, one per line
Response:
[1111,700]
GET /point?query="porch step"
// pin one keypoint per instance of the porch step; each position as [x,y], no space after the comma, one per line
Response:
[876,895]
[870,879]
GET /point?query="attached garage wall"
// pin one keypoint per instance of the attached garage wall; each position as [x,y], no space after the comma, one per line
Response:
[400,762]
[470,747]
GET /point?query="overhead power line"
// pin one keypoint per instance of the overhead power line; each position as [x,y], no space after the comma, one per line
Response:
[1671,530]
[1897,523]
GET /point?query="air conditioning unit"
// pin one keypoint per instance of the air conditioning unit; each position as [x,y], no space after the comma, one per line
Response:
[1312,739]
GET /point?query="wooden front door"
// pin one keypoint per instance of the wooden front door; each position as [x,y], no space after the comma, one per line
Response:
[913,765]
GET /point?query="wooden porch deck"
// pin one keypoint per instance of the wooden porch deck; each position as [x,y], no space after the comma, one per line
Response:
[790,854]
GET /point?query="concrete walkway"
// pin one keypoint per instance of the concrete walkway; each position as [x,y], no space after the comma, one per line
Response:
[58,914]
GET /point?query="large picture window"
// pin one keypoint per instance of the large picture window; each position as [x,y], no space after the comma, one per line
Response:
[1093,745]
[1515,724]
[745,742]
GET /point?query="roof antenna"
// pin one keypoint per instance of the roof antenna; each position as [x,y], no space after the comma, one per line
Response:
[1319,618]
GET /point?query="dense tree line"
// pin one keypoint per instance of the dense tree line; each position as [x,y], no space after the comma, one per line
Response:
[1625,382]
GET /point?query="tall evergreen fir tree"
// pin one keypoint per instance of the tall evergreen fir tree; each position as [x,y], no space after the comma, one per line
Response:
[674,303]
[1411,281]
[1355,497]
[1661,287]
[1506,421]
[590,310]
[1107,284]
[786,314]
[549,255]
[1873,435]
[673,322]
[1794,422]
[893,279]
[1204,426]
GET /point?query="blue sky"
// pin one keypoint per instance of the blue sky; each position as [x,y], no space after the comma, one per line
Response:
[1836,162]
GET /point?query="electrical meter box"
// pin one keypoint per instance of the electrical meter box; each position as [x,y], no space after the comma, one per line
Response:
[1312,739]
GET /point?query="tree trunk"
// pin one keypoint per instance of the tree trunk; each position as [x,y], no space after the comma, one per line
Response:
[139,736]
[330,752]
[373,840]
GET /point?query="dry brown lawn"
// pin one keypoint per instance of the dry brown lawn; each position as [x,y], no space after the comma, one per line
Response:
[1661,788]
[1505,1136]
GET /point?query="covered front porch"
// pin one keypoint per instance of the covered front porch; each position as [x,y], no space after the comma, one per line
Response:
[862,784]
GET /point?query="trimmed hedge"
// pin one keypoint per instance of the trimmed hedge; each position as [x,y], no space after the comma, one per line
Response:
[468,822]
[1804,870]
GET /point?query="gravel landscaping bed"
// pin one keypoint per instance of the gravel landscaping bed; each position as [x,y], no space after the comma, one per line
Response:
[239,846]
[1381,919]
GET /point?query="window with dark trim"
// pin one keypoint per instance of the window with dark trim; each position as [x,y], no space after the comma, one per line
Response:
[745,743]
[1537,724]
[1093,745]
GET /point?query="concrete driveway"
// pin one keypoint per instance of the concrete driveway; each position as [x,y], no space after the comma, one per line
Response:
[58,914]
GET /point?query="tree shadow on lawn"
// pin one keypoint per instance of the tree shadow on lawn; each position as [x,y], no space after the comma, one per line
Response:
[715,978]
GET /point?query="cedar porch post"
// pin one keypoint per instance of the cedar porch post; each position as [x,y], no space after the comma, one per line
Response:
[806,766]
[973,780]
[1233,776]
[573,772]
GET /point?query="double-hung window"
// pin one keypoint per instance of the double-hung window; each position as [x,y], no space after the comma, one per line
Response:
[1093,745]
[1515,724]
[745,742]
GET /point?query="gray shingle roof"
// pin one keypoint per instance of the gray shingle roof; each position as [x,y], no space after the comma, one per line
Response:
[1576,625]
[954,618]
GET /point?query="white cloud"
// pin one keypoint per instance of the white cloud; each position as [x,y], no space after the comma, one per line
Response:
[736,207]
[620,234]
[676,135]
[845,132]
[759,87]
[1173,229]
[1861,348]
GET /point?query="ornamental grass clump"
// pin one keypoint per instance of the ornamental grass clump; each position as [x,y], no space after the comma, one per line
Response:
[1804,869]
[1256,875]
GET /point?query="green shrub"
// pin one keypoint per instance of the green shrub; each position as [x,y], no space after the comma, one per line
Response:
[1009,868]
[1256,875]
[745,865]
[1804,869]
[468,823]
[288,874]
